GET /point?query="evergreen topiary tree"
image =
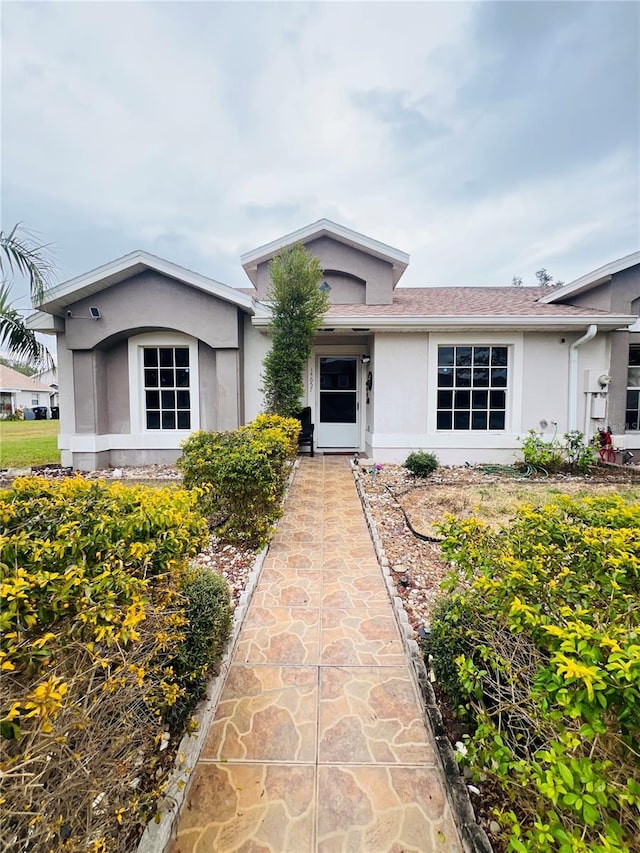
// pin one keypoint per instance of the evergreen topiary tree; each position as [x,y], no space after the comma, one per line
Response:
[297,308]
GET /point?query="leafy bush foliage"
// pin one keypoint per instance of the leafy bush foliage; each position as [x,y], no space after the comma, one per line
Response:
[553,456]
[421,463]
[102,655]
[538,639]
[241,475]
[580,456]
[540,453]
[290,427]
[208,612]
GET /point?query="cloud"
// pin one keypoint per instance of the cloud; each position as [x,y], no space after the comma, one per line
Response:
[480,137]
[408,123]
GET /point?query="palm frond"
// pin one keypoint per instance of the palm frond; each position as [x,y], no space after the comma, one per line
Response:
[20,252]
[20,341]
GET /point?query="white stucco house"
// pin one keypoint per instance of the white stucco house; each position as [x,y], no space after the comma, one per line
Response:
[20,392]
[149,351]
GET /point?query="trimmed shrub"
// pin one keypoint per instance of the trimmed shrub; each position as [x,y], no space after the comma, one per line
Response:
[101,654]
[539,641]
[208,612]
[421,463]
[241,475]
[297,306]
[290,427]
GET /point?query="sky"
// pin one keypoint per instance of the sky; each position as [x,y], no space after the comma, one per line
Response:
[485,139]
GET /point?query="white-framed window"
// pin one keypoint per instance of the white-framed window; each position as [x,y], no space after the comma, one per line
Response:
[163,384]
[632,412]
[167,387]
[472,387]
[35,400]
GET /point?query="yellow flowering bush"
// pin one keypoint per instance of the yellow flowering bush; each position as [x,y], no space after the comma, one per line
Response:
[241,476]
[107,639]
[538,642]
[289,427]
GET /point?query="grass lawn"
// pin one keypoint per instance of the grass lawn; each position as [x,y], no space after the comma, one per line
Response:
[26,443]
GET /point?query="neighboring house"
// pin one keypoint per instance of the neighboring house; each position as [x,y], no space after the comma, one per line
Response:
[149,351]
[19,392]
[50,379]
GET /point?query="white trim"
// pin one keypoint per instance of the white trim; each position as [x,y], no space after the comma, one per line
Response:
[136,401]
[77,443]
[312,392]
[44,323]
[463,439]
[390,323]
[591,279]
[515,372]
[326,228]
[89,283]
[329,428]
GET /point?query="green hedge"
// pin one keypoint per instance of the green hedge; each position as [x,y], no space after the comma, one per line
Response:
[538,640]
[242,475]
[107,638]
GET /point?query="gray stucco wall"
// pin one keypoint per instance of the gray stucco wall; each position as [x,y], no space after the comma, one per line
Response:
[94,359]
[117,388]
[208,387]
[152,301]
[345,290]
[621,295]
[333,255]
[85,376]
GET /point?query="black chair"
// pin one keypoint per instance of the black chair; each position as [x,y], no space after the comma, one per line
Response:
[307,428]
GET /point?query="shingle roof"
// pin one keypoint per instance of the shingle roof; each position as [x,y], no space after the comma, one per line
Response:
[464,301]
[13,380]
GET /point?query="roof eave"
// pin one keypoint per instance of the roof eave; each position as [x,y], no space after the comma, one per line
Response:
[90,283]
[45,323]
[592,279]
[607,322]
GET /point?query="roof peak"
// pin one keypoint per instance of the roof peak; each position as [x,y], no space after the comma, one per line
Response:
[326,228]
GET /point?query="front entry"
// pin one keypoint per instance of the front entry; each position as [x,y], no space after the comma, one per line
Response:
[338,424]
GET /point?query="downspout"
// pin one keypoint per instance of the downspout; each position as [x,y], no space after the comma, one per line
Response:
[589,335]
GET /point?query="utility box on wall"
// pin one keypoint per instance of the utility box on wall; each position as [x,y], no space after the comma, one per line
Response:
[596,381]
[598,407]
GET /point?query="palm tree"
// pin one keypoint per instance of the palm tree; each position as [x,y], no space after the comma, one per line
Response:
[21,254]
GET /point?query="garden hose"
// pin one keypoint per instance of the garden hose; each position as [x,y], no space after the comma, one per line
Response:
[518,473]
[416,533]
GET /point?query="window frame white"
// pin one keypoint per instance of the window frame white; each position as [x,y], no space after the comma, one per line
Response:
[514,343]
[636,388]
[137,402]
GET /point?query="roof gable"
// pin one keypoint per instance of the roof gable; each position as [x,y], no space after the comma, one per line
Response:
[326,228]
[83,286]
[592,279]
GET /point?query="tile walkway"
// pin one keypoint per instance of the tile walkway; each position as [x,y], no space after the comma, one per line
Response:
[318,742]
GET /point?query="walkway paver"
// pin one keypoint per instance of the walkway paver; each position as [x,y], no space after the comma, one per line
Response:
[318,744]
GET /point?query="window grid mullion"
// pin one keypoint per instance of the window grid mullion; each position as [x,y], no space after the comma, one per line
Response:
[471,379]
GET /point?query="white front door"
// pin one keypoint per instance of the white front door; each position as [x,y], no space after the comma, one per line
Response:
[338,421]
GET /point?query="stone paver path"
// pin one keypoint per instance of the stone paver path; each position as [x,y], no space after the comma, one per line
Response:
[318,742]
